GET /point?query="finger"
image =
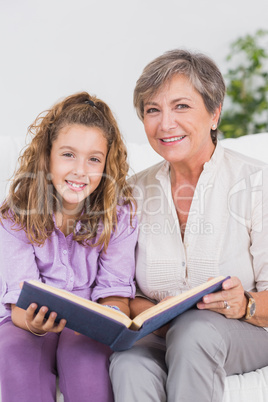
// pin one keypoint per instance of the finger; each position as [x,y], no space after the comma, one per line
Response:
[30,312]
[215,306]
[51,326]
[39,319]
[61,325]
[219,296]
[56,327]
[228,313]
[50,322]
[231,283]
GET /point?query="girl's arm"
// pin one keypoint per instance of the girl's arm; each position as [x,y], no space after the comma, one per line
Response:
[121,302]
[36,323]
[140,304]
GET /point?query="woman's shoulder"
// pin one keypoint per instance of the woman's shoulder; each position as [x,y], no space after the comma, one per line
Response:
[241,166]
[240,158]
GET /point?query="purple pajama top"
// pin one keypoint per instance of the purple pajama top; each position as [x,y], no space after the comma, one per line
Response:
[62,262]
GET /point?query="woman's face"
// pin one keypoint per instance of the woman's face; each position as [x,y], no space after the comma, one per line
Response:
[77,162]
[178,125]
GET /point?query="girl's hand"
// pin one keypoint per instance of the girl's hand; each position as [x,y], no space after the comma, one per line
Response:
[37,323]
[230,301]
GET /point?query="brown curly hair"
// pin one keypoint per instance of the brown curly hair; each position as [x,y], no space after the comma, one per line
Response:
[32,198]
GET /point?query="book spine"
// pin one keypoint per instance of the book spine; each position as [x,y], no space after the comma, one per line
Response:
[125,340]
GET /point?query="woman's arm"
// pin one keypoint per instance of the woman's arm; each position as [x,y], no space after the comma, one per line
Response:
[260,317]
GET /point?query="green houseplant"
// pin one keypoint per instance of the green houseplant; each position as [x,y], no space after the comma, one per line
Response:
[246,107]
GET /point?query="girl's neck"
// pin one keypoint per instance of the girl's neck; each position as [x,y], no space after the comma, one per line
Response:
[65,222]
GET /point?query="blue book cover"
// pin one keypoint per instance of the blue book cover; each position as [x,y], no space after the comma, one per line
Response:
[104,324]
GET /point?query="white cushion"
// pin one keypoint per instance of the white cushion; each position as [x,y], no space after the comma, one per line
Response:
[142,156]
[247,387]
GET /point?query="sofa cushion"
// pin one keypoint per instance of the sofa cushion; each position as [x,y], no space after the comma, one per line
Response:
[141,156]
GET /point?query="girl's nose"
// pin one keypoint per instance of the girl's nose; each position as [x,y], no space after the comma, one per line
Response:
[80,168]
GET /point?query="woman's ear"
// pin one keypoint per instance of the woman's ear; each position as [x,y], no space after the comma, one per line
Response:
[216,117]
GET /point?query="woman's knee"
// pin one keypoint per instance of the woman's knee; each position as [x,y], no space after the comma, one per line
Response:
[195,329]
[146,359]
[138,375]
[123,364]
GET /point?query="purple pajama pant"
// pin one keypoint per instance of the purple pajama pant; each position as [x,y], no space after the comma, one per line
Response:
[29,366]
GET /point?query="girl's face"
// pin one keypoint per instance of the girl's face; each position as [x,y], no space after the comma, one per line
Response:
[77,162]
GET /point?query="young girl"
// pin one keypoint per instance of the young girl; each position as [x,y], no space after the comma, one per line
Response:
[68,221]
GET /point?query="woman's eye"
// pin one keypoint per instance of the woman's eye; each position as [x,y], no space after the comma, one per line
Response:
[182,106]
[151,110]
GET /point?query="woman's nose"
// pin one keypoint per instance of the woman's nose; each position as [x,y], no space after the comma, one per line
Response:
[167,122]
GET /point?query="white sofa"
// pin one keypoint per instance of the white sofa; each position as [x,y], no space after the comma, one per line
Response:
[239,388]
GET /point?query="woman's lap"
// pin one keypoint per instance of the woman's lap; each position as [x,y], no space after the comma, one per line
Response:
[199,344]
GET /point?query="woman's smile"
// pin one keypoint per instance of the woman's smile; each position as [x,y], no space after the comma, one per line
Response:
[171,140]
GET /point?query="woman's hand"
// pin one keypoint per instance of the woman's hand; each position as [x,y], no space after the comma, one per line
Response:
[230,301]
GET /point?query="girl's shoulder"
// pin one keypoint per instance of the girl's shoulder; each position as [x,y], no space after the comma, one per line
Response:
[126,211]
[9,226]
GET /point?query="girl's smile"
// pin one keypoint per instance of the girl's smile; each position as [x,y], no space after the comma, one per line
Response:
[76,186]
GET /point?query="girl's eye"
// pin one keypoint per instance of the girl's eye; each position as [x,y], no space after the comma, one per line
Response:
[94,160]
[68,155]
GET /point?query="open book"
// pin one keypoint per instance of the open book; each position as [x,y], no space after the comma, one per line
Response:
[107,325]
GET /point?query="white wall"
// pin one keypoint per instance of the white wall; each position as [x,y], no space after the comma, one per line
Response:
[52,48]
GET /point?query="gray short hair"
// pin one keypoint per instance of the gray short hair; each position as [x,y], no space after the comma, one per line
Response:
[201,71]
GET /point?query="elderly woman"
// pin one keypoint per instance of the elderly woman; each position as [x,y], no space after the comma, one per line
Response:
[203,212]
